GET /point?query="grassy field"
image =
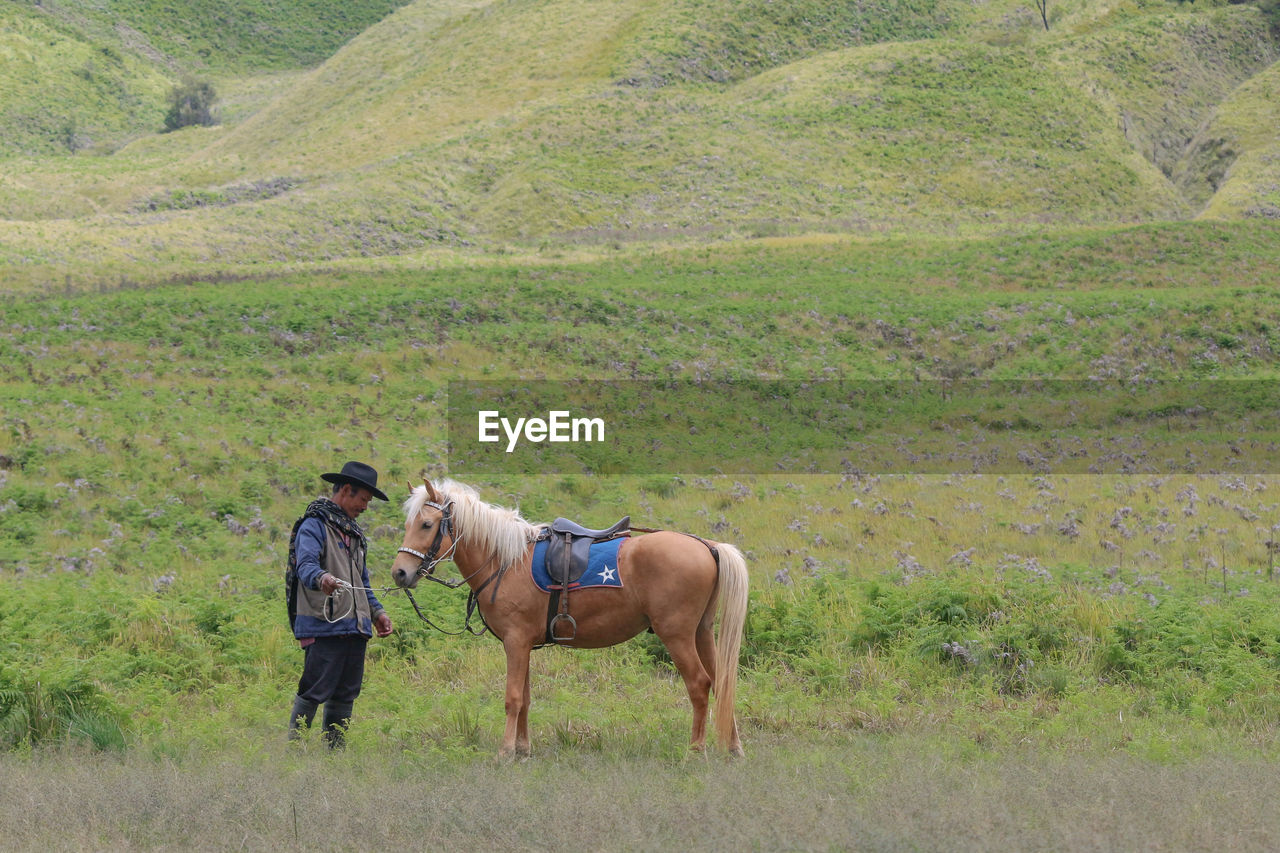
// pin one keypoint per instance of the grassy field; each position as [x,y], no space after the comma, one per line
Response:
[1085,641]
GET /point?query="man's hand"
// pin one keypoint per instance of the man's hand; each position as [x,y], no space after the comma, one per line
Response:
[382,624]
[328,583]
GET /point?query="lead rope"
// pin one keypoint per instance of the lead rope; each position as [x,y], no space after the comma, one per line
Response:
[343,589]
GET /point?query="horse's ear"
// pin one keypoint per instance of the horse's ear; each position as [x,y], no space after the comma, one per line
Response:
[410,485]
[431,491]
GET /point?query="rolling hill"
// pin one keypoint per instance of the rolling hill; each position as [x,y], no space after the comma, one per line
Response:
[474,125]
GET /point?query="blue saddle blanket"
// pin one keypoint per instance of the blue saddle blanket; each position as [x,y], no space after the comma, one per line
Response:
[602,566]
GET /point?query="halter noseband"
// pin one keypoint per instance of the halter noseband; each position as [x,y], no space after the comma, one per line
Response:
[429,559]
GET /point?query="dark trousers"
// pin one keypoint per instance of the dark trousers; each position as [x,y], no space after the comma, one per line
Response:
[333,670]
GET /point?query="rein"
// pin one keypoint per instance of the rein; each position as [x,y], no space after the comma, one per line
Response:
[467,627]
[473,601]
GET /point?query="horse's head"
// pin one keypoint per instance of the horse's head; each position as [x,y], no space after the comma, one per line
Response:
[429,535]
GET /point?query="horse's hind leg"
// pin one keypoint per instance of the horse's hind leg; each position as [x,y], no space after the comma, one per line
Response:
[705,640]
[685,655]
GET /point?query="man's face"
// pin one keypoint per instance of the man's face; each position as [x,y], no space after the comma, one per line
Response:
[353,499]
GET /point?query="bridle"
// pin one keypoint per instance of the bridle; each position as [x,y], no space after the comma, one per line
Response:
[427,567]
[429,560]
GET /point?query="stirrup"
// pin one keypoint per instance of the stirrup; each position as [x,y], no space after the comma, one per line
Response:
[573,628]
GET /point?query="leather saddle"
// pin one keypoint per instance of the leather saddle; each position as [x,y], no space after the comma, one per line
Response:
[569,547]
[568,551]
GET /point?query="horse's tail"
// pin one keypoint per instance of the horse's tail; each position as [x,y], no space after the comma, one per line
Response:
[733,616]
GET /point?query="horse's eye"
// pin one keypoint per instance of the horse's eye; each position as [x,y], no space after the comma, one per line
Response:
[426,525]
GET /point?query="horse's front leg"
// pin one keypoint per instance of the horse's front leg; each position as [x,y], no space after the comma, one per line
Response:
[522,721]
[516,737]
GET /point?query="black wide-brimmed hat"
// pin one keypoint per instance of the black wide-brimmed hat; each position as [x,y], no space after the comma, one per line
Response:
[358,474]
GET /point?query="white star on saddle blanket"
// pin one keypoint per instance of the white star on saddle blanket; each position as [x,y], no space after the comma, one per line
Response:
[606,575]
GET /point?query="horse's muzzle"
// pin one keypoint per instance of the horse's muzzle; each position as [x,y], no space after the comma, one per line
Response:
[404,577]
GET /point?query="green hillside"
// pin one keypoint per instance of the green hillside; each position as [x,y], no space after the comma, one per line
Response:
[61,92]
[721,41]
[220,36]
[77,75]
[1234,161]
[464,124]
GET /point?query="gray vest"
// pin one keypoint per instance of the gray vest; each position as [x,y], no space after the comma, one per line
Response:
[345,564]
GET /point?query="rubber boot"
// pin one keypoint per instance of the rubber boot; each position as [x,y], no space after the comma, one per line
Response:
[304,711]
[337,717]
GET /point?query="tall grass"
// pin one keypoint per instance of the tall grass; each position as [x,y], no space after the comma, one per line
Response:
[797,793]
[35,714]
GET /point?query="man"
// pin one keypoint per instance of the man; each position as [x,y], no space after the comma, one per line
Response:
[326,556]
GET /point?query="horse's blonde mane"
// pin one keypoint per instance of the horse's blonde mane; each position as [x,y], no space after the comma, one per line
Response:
[495,530]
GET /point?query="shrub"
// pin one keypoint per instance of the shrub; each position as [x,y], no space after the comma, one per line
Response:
[781,629]
[947,606]
[191,103]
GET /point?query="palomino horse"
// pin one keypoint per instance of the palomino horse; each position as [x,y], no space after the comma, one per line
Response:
[671,582]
